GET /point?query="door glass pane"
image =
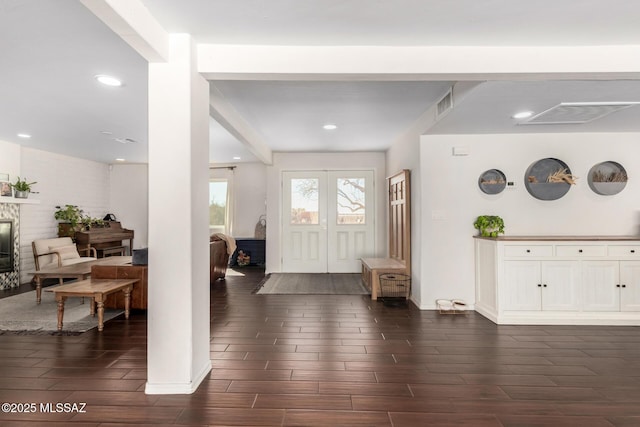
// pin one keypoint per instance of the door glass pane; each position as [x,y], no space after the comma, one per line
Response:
[304,201]
[351,200]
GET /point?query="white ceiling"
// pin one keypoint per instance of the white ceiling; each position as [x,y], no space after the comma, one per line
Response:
[51,50]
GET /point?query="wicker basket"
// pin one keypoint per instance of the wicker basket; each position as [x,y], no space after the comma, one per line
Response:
[395,285]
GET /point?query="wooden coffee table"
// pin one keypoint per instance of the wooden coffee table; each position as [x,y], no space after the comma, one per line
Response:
[95,289]
[80,271]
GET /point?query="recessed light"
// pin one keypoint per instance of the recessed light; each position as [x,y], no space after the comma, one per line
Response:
[330,126]
[24,135]
[236,158]
[119,160]
[108,80]
[125,140]
[106,132]
[522,115]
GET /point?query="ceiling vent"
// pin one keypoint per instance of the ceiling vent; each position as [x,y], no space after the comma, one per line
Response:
[577,112]
[445,104]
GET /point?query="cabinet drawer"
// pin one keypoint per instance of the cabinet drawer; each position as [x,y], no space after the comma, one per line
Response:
[624,250]
[527,251]
[578,250]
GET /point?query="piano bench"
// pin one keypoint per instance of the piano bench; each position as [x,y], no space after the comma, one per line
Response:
[115,250]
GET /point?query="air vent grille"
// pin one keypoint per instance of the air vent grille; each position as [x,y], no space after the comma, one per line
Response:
[445,104]
[577,112]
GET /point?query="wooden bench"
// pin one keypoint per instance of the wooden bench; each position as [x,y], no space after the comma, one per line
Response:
[372,268]
[399,260]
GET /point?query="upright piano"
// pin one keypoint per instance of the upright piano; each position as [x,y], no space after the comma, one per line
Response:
[106,238]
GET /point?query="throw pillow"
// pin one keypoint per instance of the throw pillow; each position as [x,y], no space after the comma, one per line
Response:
[140,256]
[66,252]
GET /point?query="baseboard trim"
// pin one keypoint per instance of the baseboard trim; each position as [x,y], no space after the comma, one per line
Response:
[179,388]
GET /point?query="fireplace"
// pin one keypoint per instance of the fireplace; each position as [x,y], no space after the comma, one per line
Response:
[6,245]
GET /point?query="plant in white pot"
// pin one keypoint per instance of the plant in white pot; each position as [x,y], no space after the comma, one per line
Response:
[22,188]
[489,225]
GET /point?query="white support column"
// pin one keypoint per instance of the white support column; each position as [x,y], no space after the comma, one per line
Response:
[178,313]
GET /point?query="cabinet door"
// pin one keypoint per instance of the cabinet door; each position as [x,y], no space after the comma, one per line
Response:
[600,291]
[561,285]
[630,278]
[521,290]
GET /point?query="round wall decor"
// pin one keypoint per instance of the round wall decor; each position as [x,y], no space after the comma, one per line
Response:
[607,178]
[548,179]
[492,181]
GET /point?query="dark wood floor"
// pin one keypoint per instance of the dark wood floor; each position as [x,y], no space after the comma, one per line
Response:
[335,361]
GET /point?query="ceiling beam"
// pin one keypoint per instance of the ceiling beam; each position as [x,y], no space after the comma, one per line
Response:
[389,63]
[229,118]
[133,22]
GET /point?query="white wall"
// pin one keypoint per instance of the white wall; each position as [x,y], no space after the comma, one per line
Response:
[449,187]
[129,200]
[404,155]
[10,159]
[60,180]
[250,196]
[319,161]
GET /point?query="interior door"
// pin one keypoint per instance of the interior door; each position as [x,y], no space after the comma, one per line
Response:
[328,221]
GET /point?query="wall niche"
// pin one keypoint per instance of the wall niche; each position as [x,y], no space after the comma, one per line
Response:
[492,181]
[607,178]
[548,179]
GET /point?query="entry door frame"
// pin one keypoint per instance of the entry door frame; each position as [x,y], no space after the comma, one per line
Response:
[356,241]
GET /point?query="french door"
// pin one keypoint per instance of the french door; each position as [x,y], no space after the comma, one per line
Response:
[328,221]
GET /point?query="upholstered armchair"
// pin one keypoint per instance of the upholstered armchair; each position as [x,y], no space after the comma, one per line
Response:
[220,248]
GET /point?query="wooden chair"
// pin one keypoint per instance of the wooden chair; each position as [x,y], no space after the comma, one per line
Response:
[59,251]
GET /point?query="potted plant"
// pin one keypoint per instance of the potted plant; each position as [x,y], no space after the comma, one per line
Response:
[73,219]
[70,217]
[489,225]
[22,188]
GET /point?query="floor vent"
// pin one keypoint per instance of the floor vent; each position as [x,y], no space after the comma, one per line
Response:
[577,112]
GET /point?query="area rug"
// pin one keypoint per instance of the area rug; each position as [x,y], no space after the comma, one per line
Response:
[311,283]
[20,313]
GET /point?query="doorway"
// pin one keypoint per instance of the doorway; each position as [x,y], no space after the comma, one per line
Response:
[328,220]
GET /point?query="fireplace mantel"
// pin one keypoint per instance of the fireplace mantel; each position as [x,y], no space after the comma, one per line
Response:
[22,201]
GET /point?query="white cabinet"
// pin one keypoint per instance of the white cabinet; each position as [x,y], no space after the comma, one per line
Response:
[542,285]
[630,286]
[559,280]
[611,286]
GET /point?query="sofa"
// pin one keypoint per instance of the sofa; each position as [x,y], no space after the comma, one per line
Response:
[218,259]
[138,294]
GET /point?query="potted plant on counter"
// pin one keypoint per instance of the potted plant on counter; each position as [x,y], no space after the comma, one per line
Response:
[489,225]
[22,188]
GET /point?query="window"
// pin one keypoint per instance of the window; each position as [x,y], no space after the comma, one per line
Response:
[219,206]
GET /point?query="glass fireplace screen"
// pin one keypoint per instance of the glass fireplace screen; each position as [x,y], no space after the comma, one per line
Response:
[6,245]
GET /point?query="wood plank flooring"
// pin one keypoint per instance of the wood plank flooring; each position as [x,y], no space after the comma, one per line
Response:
[304,360]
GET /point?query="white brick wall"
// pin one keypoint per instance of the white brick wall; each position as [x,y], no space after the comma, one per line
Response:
[60,180]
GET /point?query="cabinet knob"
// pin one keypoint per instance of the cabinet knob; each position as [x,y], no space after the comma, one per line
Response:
[580,250]
[544,286]
[617,286]
[633,251]
[528,250]
[539,285]
[624,286]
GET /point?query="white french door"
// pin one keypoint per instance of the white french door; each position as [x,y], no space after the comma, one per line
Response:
[328,221]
